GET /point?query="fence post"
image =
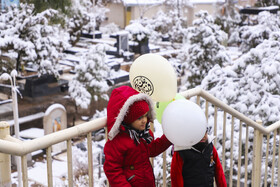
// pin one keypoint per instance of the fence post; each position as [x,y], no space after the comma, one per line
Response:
[5,159]
[257,155]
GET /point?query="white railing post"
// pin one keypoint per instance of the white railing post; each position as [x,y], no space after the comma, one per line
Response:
[257,155]
[5,159]
[164,168]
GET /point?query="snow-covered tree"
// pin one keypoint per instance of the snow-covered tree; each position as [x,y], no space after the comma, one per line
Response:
[137,31]
[140,34]
[61,5]
[100,14]
[178,6]
[264,3]
[27,37]
[110,28]
[85,17]
[171,25]
[229,18]
[89,82]
[252,35]
[163,25]
[176,11]
[203,50]
[252,84]
[156,27]
[80,164]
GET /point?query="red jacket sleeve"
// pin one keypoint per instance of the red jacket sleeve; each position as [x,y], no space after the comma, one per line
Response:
[158,145]
[219,173]
[176,170]
[114,157]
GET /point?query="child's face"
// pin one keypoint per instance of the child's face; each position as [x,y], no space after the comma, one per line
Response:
[140,123]
[205,137]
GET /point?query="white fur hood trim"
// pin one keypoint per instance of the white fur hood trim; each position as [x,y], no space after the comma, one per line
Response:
[123,111]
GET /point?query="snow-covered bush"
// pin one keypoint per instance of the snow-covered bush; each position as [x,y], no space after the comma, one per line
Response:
[252,84]
[28,37]
[165,25]
[110,28]
[203,50]
[90,80]
[177,32]
[62,5]
[138,32]
[252,35]
[74,26]
[85,16]
[100,14]
[229,19]
[80,164]
[162,23]
[170,25]
[79,19]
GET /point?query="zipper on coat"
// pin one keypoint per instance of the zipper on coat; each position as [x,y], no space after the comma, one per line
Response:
[130,177]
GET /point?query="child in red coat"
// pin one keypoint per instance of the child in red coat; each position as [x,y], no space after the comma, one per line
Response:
[197,166]
[131,143]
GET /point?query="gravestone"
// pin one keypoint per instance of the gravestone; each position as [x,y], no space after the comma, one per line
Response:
[41,86]
[55,119]
[122,42]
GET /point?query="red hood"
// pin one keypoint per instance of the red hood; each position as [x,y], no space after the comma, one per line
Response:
[118,105]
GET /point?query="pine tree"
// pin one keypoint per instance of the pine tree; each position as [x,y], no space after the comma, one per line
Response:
[252,35]
[89,82]
[26,37]
[251,85]
[40,5]
[86,16]
[203,50]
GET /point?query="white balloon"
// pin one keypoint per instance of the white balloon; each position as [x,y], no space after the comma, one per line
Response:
[154,75]
[184,123]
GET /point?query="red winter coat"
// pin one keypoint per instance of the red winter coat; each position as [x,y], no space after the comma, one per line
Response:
[127,164]
[177,165]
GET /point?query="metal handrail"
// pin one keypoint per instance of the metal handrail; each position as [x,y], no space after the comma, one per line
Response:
[230,110]
[56,137]
[26,147]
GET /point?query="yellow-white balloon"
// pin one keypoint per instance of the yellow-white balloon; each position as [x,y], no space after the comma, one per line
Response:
[154,75]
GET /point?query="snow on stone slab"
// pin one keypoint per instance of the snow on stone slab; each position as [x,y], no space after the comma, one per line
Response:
[109,41]
[153,47]
[120,73]
[67,76]
[72,58]
[67,63]
[78,49]
[32,133]
[107,57]
[168,52]
[122,32]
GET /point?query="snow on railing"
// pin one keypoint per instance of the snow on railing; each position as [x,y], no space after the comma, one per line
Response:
[240,145]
